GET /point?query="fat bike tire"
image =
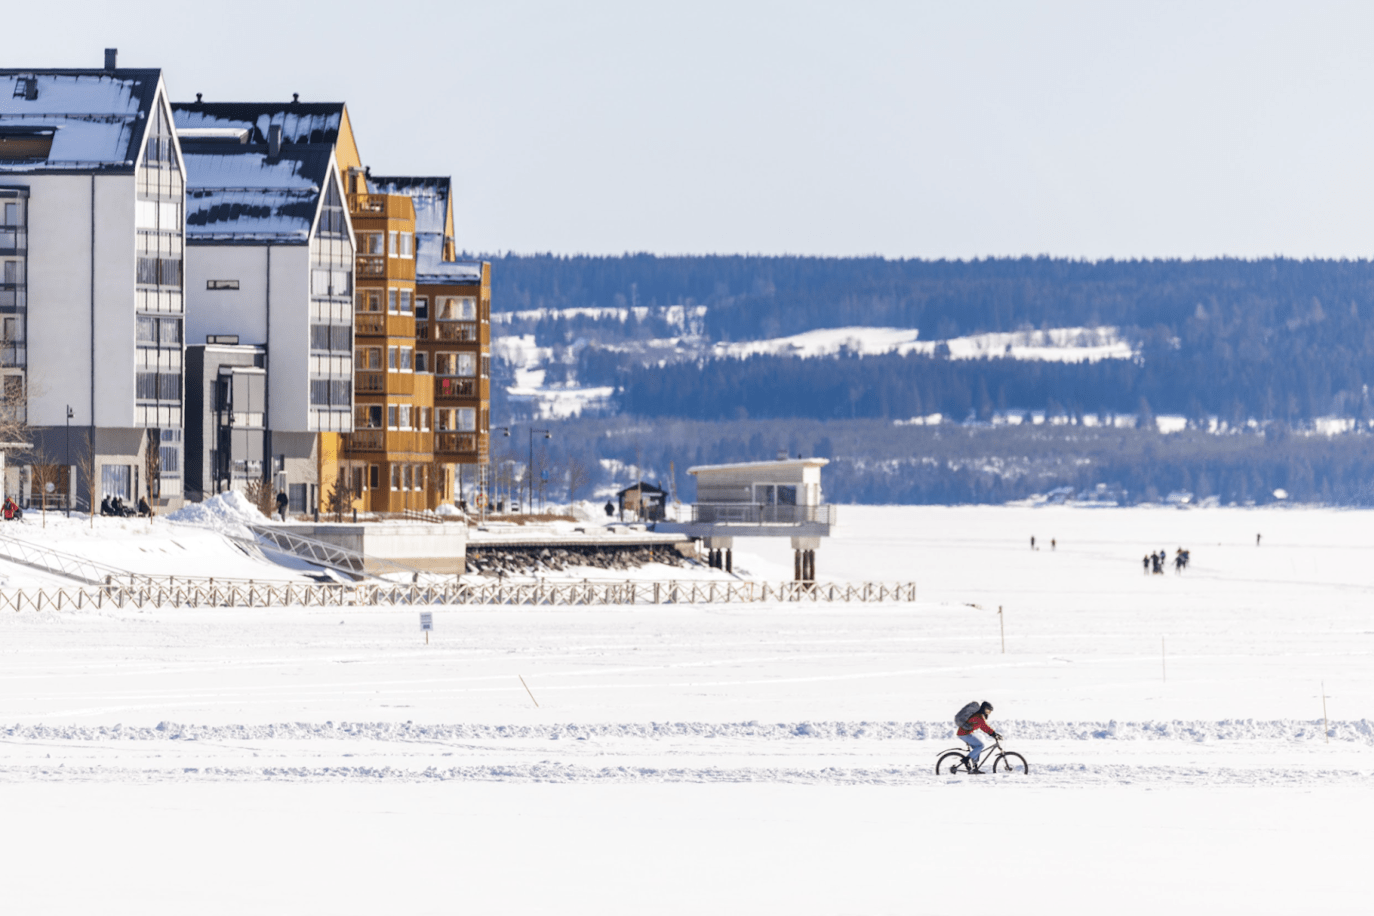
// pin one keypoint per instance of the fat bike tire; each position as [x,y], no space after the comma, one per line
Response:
[1010,762]
[949,763]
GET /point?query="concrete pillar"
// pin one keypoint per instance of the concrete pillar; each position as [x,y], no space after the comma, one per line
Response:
[796,565]
[729,561]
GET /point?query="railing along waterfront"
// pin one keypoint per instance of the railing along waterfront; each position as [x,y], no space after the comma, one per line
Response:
[747,514]
[157,593]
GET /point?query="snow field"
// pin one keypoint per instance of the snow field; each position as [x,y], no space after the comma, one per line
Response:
[731,758]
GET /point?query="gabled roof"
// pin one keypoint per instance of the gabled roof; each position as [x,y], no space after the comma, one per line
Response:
[238,193]
[433,200]
[302,123]
[96,118]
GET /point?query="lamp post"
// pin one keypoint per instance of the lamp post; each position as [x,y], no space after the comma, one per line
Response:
[529,473]
[505,431]
[68,458]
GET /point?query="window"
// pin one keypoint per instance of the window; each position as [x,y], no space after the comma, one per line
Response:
[169,386]
[421,361]
[147,270]
[169,332]
[368,416]
[458,308]
[319,392]
[404,421]
[407,240]
[115,480]
[145,214]
[147,331]
[424,417]
[221,284]
[340,338]
[169,216]
[394,248]
[395,477]
[319,337]
[11,214]
[467,419]
[368,358]
[370,243]
[369,300]
[467,365]
[405,477]
[391,416]
[392,358]
[405,359]
[373,477]
[391,301]
[444,417]
[422,308]
[405,301]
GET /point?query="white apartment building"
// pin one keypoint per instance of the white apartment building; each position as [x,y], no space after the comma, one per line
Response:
[269,266]
[91,300]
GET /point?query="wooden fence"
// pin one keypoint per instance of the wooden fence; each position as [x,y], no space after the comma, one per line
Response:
[186,593]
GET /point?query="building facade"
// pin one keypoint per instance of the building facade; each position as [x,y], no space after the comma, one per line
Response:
[92,197]
[270,254]
[453,336]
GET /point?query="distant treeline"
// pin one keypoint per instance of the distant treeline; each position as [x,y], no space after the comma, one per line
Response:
[875,462]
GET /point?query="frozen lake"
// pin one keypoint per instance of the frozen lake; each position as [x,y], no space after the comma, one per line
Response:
[732,758]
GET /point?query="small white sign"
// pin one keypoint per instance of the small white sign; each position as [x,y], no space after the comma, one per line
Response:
[49,487]
[426,620]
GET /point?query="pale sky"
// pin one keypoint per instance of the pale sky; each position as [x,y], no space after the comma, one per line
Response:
[904,129]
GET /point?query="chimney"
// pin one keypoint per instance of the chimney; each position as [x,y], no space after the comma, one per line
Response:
[274,140]
[111,54]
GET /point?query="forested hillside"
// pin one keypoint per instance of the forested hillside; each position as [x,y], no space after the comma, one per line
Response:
[1248,344]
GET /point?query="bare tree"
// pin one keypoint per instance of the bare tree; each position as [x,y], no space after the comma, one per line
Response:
[152,468]
[340,497]
[258,490]
[85,469]
[579,476]
[44,476]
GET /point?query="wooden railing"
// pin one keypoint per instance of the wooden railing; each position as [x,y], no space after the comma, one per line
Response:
[539,593]
[371,265]
[373,323]
[458,332]
[456,443]
[370,383]
[365,440]
[450,386]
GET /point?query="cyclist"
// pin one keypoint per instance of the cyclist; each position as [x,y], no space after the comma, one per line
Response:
[976,723]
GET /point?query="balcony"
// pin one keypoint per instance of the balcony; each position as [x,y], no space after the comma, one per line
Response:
[371,266]
[365,440]
[371,323]
[451,387]
[460,444]
[370,383]
[458,332]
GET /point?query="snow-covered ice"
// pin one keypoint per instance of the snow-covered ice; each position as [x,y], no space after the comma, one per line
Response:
[733,758]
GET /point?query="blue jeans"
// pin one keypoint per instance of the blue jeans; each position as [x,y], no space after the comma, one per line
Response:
[975,747]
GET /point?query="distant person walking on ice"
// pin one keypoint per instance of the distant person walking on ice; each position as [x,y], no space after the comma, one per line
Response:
[1257,540]
[974,718]
[1032,542]
[1145,562]
[1054,545]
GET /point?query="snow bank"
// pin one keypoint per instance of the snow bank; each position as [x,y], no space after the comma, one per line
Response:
[226,513]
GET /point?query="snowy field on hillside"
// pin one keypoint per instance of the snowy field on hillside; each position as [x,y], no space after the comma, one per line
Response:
[730,758]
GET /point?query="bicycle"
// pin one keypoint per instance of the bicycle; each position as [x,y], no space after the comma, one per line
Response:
[950,761]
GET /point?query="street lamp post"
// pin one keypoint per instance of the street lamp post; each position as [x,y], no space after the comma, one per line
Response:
[68,459]
[505,431]
[529,473]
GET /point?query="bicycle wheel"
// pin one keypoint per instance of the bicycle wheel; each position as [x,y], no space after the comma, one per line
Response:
[1010,762]
[950,762]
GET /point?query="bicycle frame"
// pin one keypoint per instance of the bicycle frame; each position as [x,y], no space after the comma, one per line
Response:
[995,743]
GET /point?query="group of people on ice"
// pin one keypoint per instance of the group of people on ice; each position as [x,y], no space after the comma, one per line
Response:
[114,505]
[1154,563]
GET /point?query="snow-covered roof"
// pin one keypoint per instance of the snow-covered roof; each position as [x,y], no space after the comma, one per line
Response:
[302,123]
[747,465]
[96,118]
[237,192]
[429,194]
[432,196]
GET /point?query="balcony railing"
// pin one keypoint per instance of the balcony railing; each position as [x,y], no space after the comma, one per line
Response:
[421,330]
[365,440]
[373,323]
[371,265]
[747,514]
[370,383]
[448,386]
[457,443]
[457,332]
[367,204]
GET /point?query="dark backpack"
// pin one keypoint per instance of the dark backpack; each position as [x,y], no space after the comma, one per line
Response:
[969,711]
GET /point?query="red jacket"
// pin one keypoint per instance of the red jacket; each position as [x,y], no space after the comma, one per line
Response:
[976,723]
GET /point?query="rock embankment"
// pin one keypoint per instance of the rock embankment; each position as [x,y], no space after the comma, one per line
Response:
[520,560]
